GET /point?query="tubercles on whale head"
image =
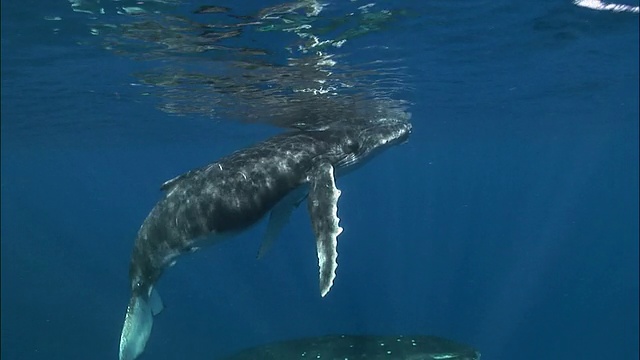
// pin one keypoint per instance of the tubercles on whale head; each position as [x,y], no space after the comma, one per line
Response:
[387,133]
[367,141]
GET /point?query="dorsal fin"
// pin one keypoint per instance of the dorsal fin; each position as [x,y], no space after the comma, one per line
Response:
[169,184]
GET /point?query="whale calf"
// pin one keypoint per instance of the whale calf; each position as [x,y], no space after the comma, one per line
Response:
[206,205]
[361,347]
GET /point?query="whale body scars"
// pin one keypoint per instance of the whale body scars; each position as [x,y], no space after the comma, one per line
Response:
[205,205]
[346,346]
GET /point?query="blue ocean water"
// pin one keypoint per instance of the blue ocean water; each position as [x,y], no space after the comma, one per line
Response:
[509,221]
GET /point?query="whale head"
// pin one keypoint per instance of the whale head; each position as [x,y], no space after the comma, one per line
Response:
[363,142]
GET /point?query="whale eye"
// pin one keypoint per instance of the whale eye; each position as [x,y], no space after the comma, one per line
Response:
[352,147]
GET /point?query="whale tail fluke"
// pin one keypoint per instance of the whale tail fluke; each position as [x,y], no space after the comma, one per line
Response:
[138,323]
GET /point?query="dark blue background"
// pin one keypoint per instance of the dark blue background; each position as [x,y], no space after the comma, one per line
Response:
[509,221]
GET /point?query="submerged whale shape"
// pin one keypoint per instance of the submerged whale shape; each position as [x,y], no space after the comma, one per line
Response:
[205,205]
[361,347]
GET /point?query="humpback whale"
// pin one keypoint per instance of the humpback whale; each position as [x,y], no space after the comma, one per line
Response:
[373,347]
[208,204]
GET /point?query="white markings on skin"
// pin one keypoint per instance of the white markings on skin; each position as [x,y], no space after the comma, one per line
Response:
[602,6]
[443,356]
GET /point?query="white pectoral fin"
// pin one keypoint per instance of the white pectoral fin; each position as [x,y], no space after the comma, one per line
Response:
[137,324]
[323,209]
[155,302]
[279,218]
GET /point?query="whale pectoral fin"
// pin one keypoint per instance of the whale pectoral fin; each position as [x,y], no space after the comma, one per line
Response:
[155,302]
[323,209]
[137,328]
[278,218]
